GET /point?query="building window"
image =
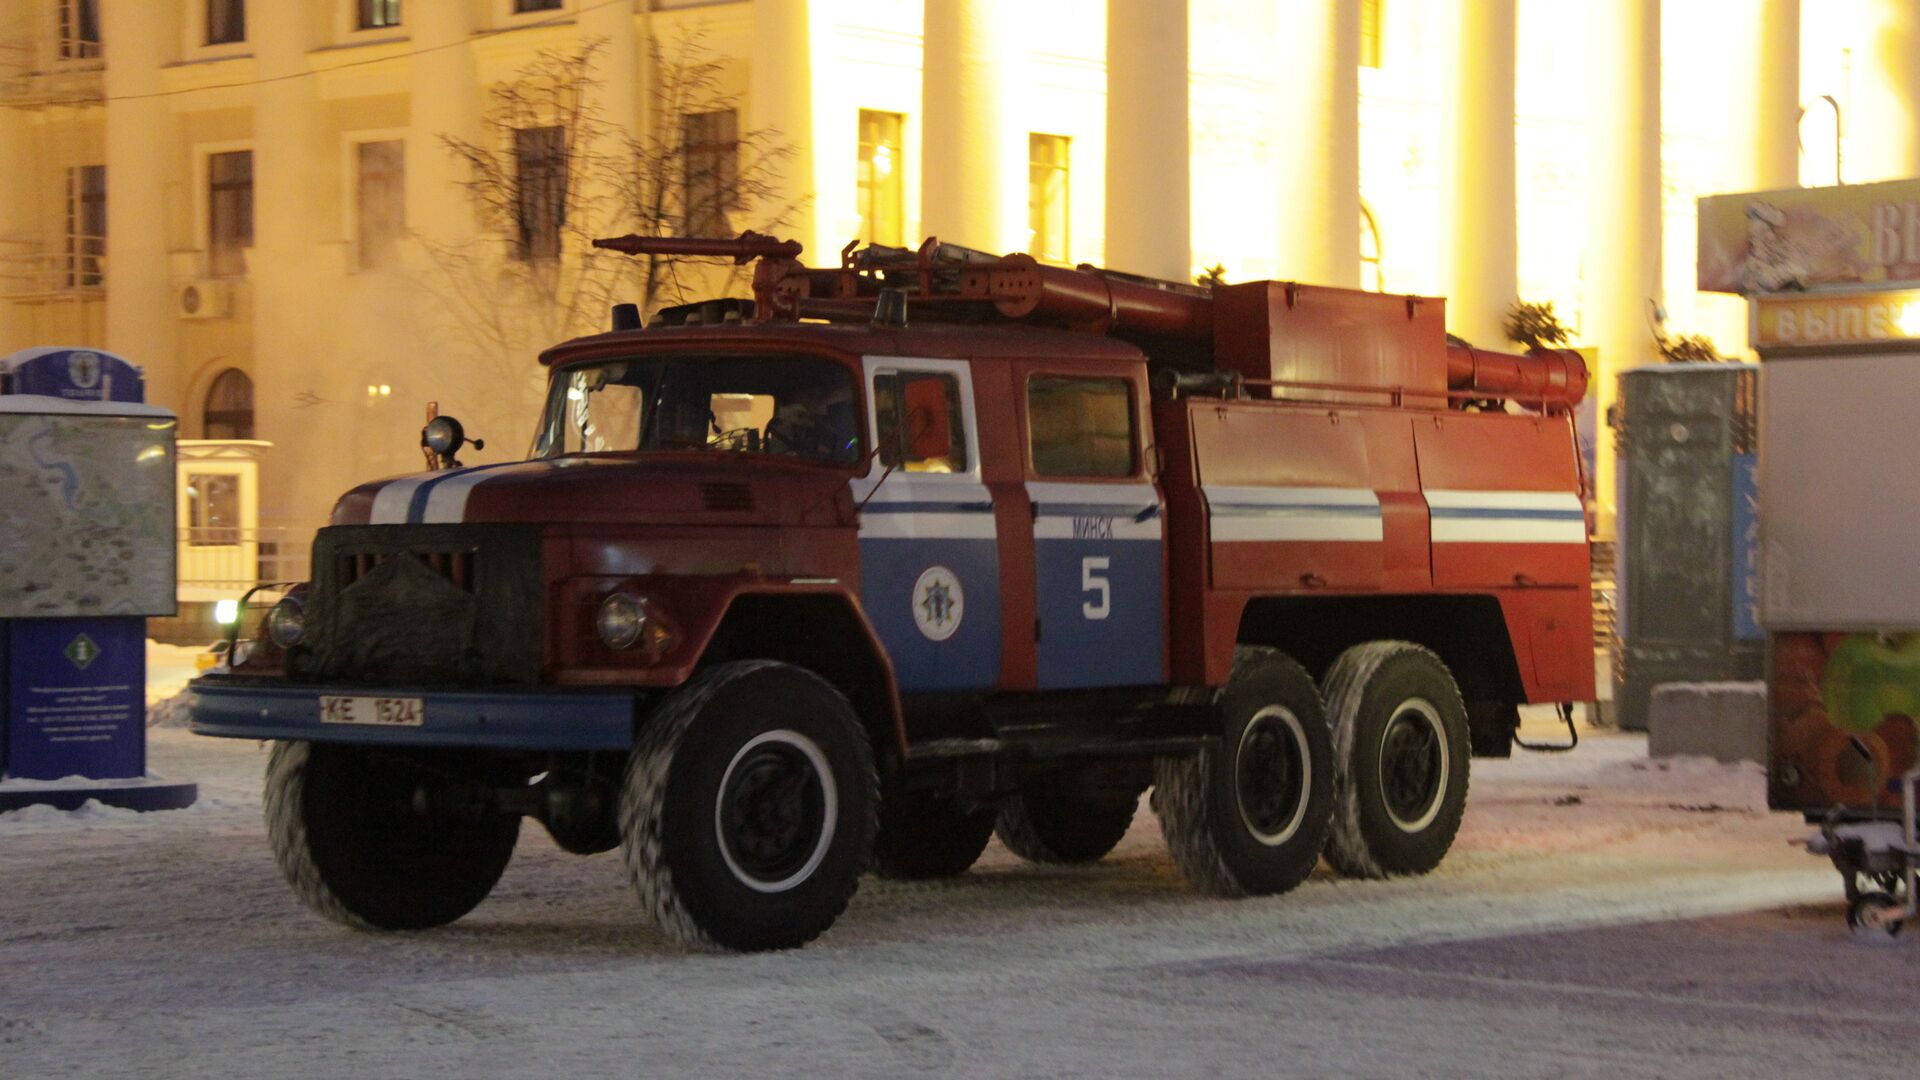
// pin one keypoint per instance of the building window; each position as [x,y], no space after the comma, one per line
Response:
[712,171]
[540,171]
[381,199]
[229,407]
[521,7]
[86,225]
[226,21]
[1080,426]
[229,211]
[882,205]
[378,13]
[1370,28]
[79,29]
[1047,197]
[1372,276]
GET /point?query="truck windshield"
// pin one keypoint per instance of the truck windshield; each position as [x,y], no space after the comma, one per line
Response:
[799,406]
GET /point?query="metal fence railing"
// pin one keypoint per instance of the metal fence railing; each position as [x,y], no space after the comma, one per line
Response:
[218,559]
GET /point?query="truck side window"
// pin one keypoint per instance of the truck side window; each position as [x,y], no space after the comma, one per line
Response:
[921,428]
[1080,426]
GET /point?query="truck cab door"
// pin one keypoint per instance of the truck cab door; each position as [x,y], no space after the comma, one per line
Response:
[1099,552]
[929,552]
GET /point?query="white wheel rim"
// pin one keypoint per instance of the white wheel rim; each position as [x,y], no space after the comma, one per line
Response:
[1290,723]
[830,803]
[1428,717]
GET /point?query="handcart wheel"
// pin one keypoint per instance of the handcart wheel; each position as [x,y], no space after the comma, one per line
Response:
[1875,917]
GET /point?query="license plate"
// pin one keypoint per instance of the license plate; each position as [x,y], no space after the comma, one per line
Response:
[375,711]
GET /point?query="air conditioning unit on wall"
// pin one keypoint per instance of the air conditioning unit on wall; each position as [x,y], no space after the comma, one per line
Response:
[205,298]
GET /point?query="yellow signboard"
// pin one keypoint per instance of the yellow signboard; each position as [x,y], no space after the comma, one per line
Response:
[1860,235]
[1836,318]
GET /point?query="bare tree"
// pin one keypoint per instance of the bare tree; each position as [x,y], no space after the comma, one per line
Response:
[695,173]
[548,173]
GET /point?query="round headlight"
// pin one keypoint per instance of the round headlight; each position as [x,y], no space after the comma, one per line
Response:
[287,623]
[443,435]
[622,621]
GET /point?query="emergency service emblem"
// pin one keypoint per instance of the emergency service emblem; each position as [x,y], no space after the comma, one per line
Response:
[83,370]
[938,603]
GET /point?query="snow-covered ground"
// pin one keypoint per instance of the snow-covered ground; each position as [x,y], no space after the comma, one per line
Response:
[1600,915]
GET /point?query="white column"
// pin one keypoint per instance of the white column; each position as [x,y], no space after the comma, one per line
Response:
[1882,118]
[1149,229]
[1317,82]
[289,281]
[1767,109]
[1622,265]
[780,99]
[1479,235]
[973,187]
[140,162]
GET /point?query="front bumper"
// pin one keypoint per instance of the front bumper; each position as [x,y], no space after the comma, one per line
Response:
[555,720]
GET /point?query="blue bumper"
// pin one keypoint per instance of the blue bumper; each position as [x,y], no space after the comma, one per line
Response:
[554,720]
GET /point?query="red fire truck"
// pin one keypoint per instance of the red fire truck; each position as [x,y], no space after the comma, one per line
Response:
[920,548]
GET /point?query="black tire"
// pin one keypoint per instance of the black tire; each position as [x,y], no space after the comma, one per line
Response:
[1874,918]
[747,814]
[1401,753]
[355,833]
[1250,818]
[1047,826]
[925,836]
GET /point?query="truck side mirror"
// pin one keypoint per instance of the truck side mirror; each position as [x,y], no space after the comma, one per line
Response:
[929,419]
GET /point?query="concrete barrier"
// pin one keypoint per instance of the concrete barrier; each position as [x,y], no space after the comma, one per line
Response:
[1726,721]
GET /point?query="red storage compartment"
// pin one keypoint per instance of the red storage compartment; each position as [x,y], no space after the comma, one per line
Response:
[1503,498]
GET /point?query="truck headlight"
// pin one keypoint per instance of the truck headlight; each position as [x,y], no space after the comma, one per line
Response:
[622,621]
[287,623]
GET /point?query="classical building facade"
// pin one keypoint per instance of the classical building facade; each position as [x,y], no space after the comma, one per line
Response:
[243,196]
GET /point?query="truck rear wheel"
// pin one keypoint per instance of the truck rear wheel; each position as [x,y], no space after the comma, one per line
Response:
[748,810]
[1401,749]
[1250,818]
[370,841]
[926,836]
[1045,826]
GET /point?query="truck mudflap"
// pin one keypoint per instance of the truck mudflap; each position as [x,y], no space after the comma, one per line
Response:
[391,716]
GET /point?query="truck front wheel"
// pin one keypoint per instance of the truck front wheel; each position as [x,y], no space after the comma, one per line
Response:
[1250,817]
[371,841]
[748,810]
[1401,748]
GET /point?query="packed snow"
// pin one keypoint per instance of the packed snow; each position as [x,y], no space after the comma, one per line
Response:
[1601,914]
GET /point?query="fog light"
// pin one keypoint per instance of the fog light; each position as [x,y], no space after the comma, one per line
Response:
[622,620]
[287,623]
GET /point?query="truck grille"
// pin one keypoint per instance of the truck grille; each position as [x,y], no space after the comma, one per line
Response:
[424,605]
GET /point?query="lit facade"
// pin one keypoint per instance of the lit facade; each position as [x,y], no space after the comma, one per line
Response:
[212,186]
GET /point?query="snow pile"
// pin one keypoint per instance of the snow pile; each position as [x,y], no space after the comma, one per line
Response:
[170,712]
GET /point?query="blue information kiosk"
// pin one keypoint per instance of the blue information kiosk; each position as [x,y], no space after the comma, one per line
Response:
[86,555]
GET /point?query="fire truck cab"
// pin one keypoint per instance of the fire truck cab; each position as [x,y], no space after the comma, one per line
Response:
[921,549]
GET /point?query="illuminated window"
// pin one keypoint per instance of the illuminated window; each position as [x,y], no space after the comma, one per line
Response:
[378,13]
[882,218]
[229,211]
[1047,202]
[1371,274]
[712,171]
[382,200]
[213,509]
[540,159]
[1080,426]
[229,407]
[86,225]
[226,21]
[79,29]
[1370,28]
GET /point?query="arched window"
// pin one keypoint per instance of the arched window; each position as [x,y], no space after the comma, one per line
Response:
[1371,274]
[229,410]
